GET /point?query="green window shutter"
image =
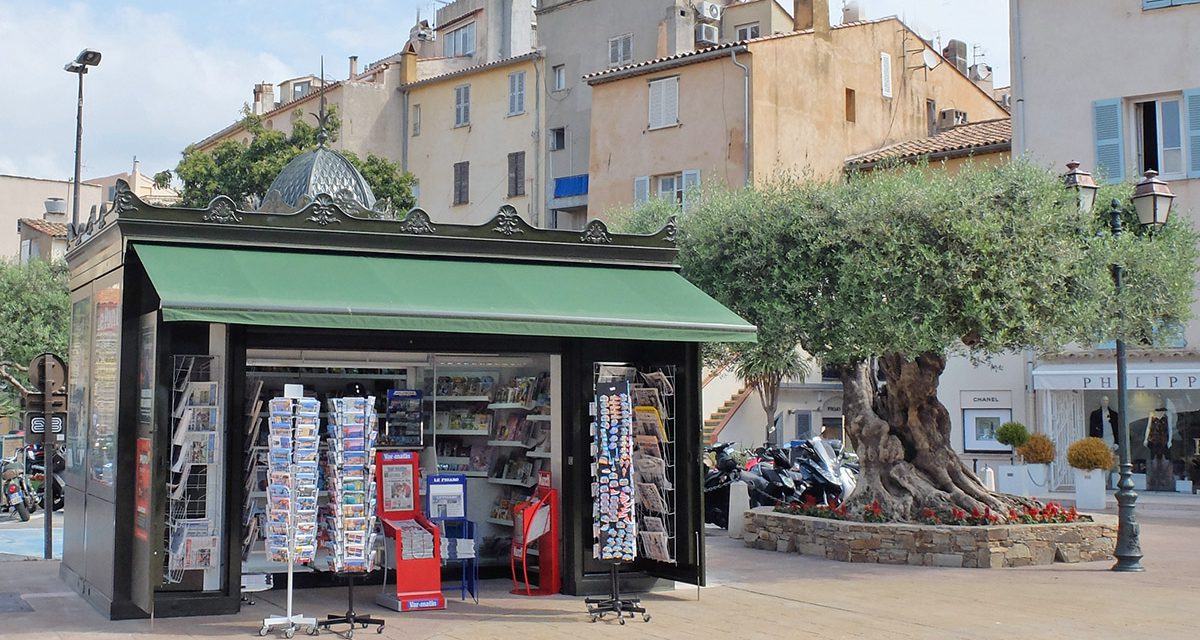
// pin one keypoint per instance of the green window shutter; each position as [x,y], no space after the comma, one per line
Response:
[1191,115]
[1107,130]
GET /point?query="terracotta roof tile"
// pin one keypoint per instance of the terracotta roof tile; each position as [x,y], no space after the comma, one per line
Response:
[959,141]
[52,229]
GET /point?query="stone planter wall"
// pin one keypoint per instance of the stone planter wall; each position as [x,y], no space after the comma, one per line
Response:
[932,545]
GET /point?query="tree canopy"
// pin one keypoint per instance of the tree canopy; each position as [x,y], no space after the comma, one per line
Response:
[245,170]
[34,318]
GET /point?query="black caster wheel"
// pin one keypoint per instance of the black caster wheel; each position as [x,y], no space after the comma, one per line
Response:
[312,631]
[595,618]
[364,625]
[645,617]
[379,629]
[622,621]
[350,633]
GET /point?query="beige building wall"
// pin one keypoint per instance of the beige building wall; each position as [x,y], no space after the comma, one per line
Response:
[799,117]
[485,143]
[769,14]
[708,138]
[22,197]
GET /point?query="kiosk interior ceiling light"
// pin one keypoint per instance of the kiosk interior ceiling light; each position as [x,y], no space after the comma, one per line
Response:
[345,359]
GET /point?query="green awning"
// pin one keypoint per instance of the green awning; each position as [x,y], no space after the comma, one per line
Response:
[323,290]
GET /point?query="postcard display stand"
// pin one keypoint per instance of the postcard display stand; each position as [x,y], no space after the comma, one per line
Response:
[197,472]
[417,550]
[294,429]
[349,518]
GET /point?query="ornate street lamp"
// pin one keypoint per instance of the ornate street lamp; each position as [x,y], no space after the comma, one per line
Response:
[79,66]
[1152,199]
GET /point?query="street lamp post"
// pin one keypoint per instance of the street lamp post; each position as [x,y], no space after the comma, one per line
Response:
[79,66]
[1152,199]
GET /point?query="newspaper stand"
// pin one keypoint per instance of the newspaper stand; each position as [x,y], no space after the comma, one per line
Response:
[418,580]
[535,533]
[447,497]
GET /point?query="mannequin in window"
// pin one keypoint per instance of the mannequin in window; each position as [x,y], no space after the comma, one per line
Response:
[1103,422]
[1158,439]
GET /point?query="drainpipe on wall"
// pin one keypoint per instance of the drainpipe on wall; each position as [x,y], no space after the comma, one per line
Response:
[745,113]
[404,124]
[1017,80]
[538,188]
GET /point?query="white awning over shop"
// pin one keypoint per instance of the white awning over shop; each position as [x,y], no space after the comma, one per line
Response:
[1099,376]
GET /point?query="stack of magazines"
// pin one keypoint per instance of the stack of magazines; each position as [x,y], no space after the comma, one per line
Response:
[292,479]
[349,520]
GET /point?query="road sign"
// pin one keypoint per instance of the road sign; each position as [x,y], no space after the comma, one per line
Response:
[37,423]
[55,372]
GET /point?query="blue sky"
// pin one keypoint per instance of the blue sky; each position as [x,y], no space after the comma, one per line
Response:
[175,72]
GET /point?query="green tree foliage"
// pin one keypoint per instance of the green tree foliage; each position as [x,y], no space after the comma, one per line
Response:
[245,170]
[34,318]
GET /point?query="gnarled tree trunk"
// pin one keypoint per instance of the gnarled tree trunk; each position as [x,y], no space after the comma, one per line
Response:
[902,437]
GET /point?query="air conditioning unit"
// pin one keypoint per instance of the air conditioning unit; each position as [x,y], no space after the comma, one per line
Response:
[707,34]
[709,11]
[950,118]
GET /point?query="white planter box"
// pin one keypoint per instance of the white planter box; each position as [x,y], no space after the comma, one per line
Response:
[1183,486]
[1011,478]
[1139,481]
[1089,489]
[1037,480]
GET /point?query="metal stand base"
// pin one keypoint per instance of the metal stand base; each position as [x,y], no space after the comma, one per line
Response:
[621,607]
[289,625]
[351,618]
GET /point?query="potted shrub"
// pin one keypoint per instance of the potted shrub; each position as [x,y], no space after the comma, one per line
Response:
[1091,458]
[1011,478]
[1037,452]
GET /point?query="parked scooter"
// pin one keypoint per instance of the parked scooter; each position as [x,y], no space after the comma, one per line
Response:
[776,483]
[15,492]
[720,472]
[828,477]
[35,470]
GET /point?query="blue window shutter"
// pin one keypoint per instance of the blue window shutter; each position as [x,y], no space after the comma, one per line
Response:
[691,182]
[1155,4]
[1191,123]
[1107,130]
[641,190]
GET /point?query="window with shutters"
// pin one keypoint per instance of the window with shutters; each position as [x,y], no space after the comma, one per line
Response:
[516,93]
[516,174]
[664,102]
[462,182]
[560,77]
[620,50]
[416,120]
[670,187]
[673,187]
[462,105]
[558,138]
[1160,136]
[460,42]
[885,74]
[1159,4]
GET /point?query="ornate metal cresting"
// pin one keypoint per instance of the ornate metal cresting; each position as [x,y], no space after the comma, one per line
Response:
[596,232]
[417,222]
[222,211]
[508,221]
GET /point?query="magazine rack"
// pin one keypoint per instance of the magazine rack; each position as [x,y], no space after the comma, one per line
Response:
[447,508]
[535,533]
[415,542]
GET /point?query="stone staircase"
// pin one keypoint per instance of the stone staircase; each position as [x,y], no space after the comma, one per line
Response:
[714,423]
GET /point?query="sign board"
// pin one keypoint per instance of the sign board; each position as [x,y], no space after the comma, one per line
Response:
[55,372]
[447,497]
[985,399]
[35,427]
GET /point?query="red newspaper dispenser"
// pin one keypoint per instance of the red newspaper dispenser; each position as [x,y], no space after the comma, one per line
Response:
[535,534]
[417,550]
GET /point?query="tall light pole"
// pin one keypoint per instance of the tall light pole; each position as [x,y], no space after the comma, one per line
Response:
[79,66]
[1152,199]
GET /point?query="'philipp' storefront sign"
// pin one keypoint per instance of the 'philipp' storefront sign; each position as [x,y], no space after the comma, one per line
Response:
[1105,380]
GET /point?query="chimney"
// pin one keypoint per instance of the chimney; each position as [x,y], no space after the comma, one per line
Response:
[136,166]
[264,98]
[810,14]
[353,66]
[56,210]
[408,64]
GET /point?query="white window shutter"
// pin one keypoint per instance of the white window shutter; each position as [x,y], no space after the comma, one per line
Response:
[670,102]
[656,104]
[1107,132]
[614,51]
[1191,123]
[691,182]
[641,190]
[885,72]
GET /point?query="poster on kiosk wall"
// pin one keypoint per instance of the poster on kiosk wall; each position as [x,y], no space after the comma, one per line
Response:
[414,543]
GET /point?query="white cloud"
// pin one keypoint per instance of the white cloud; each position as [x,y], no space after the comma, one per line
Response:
[153,93]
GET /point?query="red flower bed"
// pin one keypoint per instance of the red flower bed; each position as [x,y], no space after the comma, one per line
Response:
[1049,513]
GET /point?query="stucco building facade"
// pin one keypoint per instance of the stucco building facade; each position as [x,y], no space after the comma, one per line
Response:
[24,197]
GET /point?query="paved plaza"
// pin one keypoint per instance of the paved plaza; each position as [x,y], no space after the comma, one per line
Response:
[752,594]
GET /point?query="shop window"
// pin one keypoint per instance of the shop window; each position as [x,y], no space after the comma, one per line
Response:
[851,109]
[516,93]
[462,180]
[516,174]
[747,31]
[560,77]
[620,50]
[664,102]
[462,105]
[460,42]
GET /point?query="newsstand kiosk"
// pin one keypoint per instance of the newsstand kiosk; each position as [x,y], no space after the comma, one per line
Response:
[197,316]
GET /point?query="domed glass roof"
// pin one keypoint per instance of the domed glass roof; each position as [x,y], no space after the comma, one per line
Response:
[321,171]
